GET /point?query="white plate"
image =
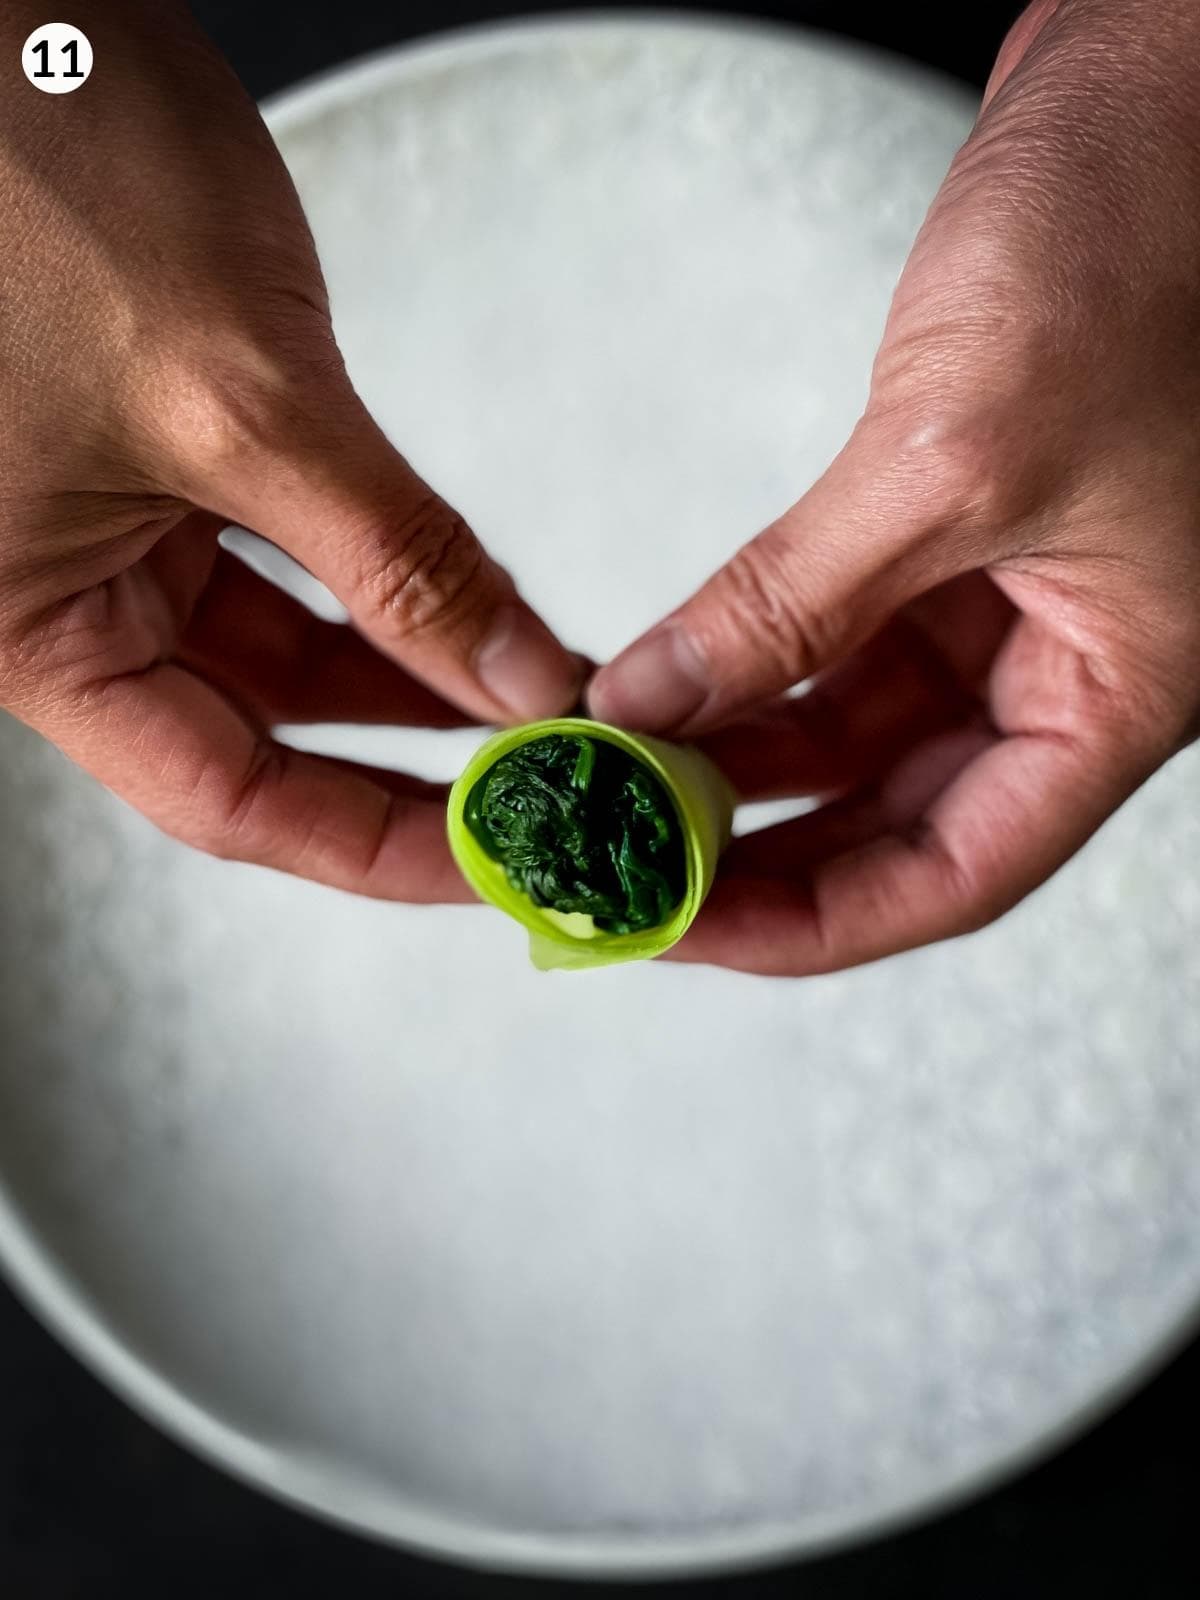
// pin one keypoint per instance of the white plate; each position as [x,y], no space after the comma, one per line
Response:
[646,1270]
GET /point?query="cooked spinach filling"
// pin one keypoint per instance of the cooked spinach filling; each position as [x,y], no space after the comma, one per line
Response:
[580,826]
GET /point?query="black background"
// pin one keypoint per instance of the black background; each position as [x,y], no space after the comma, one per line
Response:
[94,1503]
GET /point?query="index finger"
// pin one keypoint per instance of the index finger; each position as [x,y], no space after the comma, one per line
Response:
[174,747]
[1011,817]
[334,493]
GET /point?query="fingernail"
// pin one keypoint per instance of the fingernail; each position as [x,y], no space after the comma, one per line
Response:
[522,665]
[658,683]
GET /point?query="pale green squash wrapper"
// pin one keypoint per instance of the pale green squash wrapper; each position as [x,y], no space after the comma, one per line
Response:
[703,803]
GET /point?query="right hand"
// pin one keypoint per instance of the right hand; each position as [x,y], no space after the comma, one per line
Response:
[996,584]
[169,368]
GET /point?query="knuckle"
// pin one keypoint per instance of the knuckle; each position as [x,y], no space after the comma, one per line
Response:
[1129,697]
[229,814]
[944,474]
[427,583]
[969,471]
[966,901]
[224,415]
[226,421]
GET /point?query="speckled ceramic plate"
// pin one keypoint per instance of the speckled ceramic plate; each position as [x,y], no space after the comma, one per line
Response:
[653,1269]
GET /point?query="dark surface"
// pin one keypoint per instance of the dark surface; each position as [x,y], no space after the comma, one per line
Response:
[94,1503]
[273,43]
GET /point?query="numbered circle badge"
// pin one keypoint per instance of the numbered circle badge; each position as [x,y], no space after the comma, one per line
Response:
[57,58]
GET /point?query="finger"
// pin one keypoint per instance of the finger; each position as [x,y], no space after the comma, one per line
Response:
[892,804]
[174,747]
[317,477]
[886,522]
[271,654]
[1016,44]
[922,673]
[843,732]
[404,784]
[1010,818]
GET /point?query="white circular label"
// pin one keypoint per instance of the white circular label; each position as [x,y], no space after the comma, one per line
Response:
[57,58]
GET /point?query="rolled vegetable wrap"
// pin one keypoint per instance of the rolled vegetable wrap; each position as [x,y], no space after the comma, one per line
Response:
[602,843]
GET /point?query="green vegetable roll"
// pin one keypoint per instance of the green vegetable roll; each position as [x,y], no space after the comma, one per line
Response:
[602,843]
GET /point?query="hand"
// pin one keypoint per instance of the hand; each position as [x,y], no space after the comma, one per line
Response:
[997,582]
[169,367]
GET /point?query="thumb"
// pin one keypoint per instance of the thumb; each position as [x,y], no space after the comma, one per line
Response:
[322,482]
[817,583]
